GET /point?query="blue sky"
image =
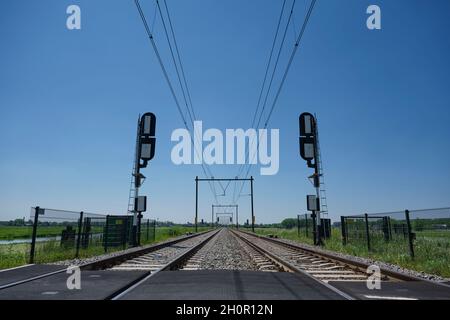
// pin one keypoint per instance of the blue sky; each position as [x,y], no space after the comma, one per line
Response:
[69,101]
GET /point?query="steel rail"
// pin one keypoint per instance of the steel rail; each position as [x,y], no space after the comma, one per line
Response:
[362,266]
[108,261]
[171,265]
[287,265]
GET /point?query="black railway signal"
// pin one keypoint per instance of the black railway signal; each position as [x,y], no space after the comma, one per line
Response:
[307,124]
[145,151]
[309,152]
[147,138]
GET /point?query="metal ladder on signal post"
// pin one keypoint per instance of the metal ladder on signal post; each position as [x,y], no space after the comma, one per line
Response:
[130,208]
[131,194]
[322,189]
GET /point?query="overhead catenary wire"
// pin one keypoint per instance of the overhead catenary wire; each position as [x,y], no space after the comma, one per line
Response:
[189,105]
[265,74]
[251,143]
[268,63]
[169,83]
[179,58]
[175,63]
[276,63]
[291,58]
[272,76]
[294,51]
[185,90]
[161,64]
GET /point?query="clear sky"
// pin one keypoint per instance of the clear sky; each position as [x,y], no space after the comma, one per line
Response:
[69,101]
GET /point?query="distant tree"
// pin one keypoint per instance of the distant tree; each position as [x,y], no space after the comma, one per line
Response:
[19,222]
[289,223]
[418,225]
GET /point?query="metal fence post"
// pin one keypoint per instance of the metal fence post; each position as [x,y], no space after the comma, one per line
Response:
[306,225]
[367,231]
[251,203]
[125,231]
[196,203]
[314,228]
[344,234]
[298,225]
[410,234]
[106,234]
[148,228]
[80,224]
[237,217]
[154,230]
[138,238]
[390,228]
[33,236]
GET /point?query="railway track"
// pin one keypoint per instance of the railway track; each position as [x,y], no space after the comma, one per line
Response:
[276,257]
[226,249]
[297,260]
[296,254]
[164,254]
[192,259]
[163,258]
[258,261]
[167,258]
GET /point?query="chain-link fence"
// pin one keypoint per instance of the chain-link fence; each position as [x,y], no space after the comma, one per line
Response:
[424,232]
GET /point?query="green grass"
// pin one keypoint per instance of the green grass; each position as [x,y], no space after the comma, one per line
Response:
[291,234]
[432,249]
[12,232]
[12,255]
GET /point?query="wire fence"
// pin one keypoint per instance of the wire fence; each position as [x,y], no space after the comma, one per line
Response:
[148,231]
[62,234]
[409,231]
[305,225]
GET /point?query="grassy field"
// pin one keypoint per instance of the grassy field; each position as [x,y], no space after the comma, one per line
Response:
[10,233]
[432,249]
[12,255]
